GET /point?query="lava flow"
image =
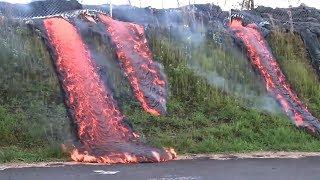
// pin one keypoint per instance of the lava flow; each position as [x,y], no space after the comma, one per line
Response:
[275,81]
[102,132]
[147,82]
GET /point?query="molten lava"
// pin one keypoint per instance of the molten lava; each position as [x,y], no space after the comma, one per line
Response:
[148,84]
[276,84]
[102,133]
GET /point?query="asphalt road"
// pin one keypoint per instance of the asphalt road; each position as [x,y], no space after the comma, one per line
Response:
[246,169]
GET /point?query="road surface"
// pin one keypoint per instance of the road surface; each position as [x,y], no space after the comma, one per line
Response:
[200,169]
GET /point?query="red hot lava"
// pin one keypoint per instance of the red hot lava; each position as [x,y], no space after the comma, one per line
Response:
[135,57]
[102,133]
[276,84]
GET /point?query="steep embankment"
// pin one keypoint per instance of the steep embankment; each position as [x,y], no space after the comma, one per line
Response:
[221,110]
[275,81]
[32,115]
[294,61]
[209,121]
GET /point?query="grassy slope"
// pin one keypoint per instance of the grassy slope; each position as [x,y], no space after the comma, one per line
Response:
[201,118]
[292,57]
[32,116]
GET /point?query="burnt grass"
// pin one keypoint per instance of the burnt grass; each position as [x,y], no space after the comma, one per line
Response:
[201,118]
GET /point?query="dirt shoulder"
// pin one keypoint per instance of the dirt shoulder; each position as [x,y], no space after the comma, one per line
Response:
[228,156]
[253,155]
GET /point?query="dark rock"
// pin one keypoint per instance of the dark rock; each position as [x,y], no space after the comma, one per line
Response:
[38,8]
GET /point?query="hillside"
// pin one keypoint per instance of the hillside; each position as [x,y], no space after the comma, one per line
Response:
[217,100]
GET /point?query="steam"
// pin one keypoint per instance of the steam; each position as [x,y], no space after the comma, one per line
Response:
[194,36]
[262,102]
[189,27]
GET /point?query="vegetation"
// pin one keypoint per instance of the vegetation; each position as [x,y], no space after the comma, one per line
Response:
[203,116]
[297,67]
[32,115]
[203,119]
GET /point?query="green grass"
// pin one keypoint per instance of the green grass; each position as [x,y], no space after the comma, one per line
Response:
[203,117]
[32,114]
[232,131]
[13,153]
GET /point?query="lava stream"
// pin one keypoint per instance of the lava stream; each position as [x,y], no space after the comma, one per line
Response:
[276,84]
[147,82]
[102,133]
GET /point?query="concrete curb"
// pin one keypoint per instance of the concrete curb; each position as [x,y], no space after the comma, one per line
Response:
[227,156]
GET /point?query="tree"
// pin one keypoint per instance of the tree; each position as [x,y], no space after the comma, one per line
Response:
[247,4]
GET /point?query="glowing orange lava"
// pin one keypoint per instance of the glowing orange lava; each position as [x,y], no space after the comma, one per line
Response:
[136,59]
[102,133]
[276,84]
